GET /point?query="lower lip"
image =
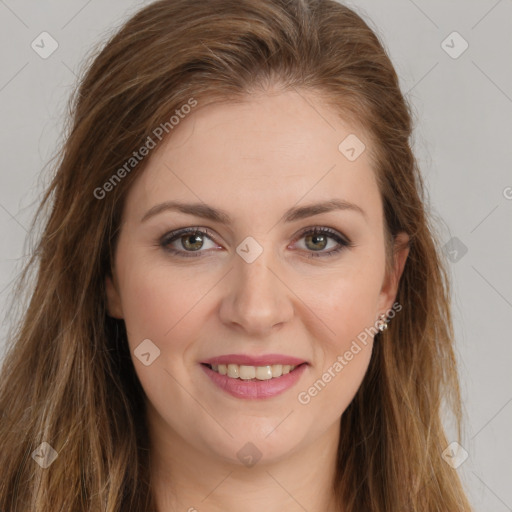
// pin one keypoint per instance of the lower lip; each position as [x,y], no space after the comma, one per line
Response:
[240,388]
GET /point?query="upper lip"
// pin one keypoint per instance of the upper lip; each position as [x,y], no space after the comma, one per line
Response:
[262,360]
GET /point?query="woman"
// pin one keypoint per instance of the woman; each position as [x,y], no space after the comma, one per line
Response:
[239,301]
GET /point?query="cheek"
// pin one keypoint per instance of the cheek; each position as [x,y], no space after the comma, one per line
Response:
[348,310]
[157,303]
[345,301]
[160,306]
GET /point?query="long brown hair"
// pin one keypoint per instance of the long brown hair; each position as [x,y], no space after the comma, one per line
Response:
[68,379]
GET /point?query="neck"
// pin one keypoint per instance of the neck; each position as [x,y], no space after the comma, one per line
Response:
[186,478]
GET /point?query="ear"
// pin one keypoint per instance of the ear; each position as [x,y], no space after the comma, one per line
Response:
[390,286]
[114,307]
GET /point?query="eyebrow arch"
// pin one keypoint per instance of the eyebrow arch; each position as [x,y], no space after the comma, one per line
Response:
[217,215]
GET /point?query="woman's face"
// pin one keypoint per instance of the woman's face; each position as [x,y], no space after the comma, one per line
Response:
[260,284]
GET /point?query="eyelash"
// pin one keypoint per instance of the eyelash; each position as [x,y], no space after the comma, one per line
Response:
[176,235]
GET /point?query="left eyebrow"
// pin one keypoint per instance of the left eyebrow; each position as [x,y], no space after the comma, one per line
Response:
[221,216]
[303,212]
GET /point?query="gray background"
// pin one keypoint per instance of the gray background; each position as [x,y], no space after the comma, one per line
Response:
[463,108]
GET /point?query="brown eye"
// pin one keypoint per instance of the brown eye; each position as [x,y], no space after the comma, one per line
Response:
[316,240]
[187,241]
[191,242]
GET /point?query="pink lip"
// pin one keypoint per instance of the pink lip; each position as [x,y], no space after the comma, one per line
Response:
[254,389]
[263,360]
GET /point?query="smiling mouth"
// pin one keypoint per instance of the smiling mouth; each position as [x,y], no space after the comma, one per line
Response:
[253,373]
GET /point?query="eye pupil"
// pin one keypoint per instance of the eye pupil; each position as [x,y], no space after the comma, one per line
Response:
[196,239]
[316,238]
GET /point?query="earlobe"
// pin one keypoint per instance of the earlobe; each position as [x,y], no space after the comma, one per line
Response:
[114,308]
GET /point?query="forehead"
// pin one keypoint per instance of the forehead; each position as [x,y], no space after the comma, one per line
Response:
[268,152]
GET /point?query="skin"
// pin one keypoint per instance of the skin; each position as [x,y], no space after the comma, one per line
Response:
[254,160]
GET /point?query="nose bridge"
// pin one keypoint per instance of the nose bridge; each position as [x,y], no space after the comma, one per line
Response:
[256,299]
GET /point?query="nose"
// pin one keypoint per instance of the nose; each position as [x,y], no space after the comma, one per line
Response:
[257,298]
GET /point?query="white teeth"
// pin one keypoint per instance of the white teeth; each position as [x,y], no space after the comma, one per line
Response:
[263,372]
[233,371]
[246,372]
[277,370]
